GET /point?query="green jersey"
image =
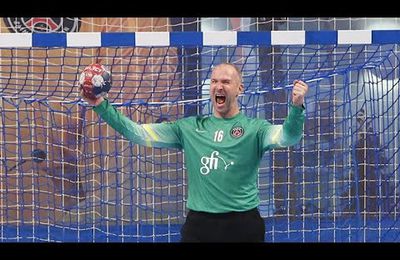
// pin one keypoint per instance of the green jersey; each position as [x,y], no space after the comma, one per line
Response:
[222,155]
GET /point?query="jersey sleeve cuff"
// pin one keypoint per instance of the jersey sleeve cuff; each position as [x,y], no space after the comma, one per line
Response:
[297,109]
[102,107]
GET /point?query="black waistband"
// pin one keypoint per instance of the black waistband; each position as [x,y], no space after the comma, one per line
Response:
[221,215]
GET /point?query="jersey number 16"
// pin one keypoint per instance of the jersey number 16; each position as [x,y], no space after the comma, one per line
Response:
[218,136]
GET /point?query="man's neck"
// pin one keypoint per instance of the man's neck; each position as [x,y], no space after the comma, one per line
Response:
[227,115]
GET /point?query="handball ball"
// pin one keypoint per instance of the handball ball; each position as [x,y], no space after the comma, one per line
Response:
[95,80]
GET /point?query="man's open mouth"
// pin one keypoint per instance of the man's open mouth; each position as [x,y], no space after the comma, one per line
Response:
[220,99]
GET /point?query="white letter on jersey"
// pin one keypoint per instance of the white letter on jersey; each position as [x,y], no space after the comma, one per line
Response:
[209,163]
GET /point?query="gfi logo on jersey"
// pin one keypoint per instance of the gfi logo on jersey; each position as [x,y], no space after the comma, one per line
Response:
[211,163]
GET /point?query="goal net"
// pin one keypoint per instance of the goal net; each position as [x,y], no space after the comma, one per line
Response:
[65,175]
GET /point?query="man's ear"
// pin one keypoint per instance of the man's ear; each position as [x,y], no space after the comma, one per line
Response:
[241,88]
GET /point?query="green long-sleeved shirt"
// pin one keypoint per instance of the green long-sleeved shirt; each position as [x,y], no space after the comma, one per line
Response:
[222,155]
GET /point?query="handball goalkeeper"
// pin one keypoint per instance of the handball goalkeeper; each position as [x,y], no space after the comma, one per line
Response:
[223,152]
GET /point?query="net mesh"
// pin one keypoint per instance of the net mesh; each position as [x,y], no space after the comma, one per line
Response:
[339,184]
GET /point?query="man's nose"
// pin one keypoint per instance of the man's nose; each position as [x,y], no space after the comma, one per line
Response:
[218,86]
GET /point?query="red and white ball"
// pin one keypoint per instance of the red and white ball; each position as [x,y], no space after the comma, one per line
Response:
[95,81]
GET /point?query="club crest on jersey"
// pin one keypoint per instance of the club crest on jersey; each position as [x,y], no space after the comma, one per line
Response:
[42,24]
[237,131]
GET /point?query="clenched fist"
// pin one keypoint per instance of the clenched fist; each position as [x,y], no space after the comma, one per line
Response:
[299,91]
